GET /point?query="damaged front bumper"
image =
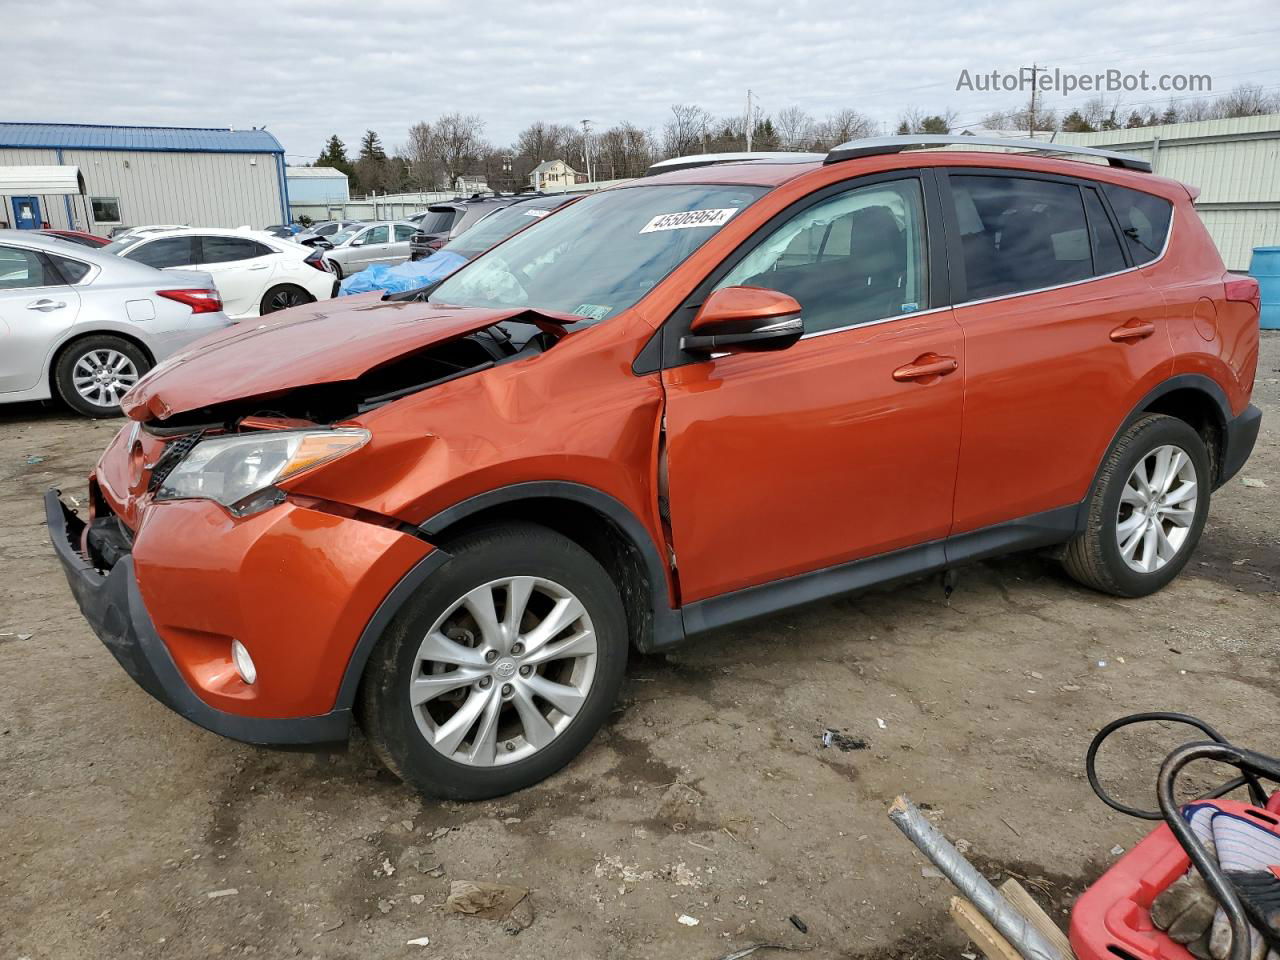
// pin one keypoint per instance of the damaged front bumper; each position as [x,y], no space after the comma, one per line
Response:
[112,604]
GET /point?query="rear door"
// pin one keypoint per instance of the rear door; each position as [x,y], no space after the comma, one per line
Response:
[36,308]
[241,269]
[831,450]
[1061,336]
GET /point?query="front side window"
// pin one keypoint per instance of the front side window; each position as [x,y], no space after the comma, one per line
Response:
[1019,234]
[105,209]
[1144,221]
[20,269]
[376,235]
[230,249]
[600,255]
[169,252]
[855,257]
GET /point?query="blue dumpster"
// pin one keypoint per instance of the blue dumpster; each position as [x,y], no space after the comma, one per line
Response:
[1265,268]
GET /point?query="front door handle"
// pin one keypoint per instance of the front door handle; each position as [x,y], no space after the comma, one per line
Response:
[926,367]
[44,306]
[1133,330]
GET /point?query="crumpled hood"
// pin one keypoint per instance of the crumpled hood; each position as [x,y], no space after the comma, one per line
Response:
[325,342]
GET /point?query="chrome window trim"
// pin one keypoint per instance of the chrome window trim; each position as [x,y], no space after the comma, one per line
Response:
[1173,216]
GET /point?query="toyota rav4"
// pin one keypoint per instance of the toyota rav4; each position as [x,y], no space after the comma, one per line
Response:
[706,395]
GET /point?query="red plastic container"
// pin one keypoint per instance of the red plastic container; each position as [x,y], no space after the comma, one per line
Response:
[1112,919]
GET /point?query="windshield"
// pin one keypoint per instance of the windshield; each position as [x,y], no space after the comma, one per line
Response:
[600,255]
[437,221]
[499,225]
[342,236]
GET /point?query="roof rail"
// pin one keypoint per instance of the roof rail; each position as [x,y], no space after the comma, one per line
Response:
[707,159]
[879,146]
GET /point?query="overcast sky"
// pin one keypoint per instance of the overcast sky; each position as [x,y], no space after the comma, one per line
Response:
[309,68]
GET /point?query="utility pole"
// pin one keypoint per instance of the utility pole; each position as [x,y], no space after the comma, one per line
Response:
[1031,121]
[748,120]
[586,148]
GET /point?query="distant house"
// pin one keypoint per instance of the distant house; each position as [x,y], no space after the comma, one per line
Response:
[469,184]
[317,185]
[554,173]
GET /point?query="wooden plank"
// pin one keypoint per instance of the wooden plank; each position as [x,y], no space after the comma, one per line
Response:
[1022,901]
[976,927]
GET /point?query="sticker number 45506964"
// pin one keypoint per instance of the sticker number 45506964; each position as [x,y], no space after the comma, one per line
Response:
[690,218]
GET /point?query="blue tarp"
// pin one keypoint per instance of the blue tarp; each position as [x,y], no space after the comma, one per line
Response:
[403,276]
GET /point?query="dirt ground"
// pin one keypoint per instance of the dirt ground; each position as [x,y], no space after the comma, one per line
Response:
[710,794]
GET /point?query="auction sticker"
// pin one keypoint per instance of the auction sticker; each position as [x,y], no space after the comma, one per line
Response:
[690,218]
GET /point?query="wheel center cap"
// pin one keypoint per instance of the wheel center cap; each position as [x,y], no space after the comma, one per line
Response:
[504,669]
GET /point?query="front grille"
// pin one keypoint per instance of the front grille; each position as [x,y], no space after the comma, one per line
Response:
[170,457]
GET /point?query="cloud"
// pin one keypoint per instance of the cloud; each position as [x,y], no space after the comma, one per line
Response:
[309,68]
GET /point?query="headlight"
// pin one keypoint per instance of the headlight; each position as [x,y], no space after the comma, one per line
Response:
[233,470]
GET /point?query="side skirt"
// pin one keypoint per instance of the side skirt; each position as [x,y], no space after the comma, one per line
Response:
[1027,533]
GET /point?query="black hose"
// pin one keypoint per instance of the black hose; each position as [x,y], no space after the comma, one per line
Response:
[1257,796]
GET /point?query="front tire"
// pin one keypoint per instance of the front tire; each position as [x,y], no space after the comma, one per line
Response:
[1146,511]
[93,373]
[500,669]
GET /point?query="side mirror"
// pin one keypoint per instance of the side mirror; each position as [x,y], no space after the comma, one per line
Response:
[744,320]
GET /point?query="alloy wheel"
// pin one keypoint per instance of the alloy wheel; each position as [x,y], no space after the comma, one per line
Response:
[503,671]
[1157,508]
[102,377]
[285,298]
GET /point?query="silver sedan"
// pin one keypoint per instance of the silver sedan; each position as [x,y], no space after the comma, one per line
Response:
[87,325]
[369,243]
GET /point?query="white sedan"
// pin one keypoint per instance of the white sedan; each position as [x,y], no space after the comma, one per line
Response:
[255,273]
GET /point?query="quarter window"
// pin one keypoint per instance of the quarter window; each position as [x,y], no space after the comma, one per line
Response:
[1019,234]
[1144,221]
[71,271]
[853,258]
[169,252]
[105,209]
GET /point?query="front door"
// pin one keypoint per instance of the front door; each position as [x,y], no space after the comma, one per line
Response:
[842,446]
[26,213]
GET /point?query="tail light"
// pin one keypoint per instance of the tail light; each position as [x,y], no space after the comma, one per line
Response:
[316,259]
[200,301]
[1243,290]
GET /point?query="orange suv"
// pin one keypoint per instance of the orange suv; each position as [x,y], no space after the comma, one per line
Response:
[706,395]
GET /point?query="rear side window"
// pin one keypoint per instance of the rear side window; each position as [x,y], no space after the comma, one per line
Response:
[1107,256]
[72,271]
[169,252]
[22,268]
[1020,234]
[230,249]
[403,232]
[1144,221]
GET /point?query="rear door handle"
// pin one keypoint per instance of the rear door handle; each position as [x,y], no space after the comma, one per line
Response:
[259,266]
[926,366]
[1133,330]
[44,306]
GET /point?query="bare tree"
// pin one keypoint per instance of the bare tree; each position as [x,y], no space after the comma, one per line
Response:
[685,130]
[795,128]
[916,121]
[460,139]
[1247,100]
[421,154]
[841,127]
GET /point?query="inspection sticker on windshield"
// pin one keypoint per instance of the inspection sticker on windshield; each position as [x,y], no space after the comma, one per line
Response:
[690,218]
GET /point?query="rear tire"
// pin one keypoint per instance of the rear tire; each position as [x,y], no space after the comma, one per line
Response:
[282,297]
[94,372]
[482,725]
[337,269]
[1146,511]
